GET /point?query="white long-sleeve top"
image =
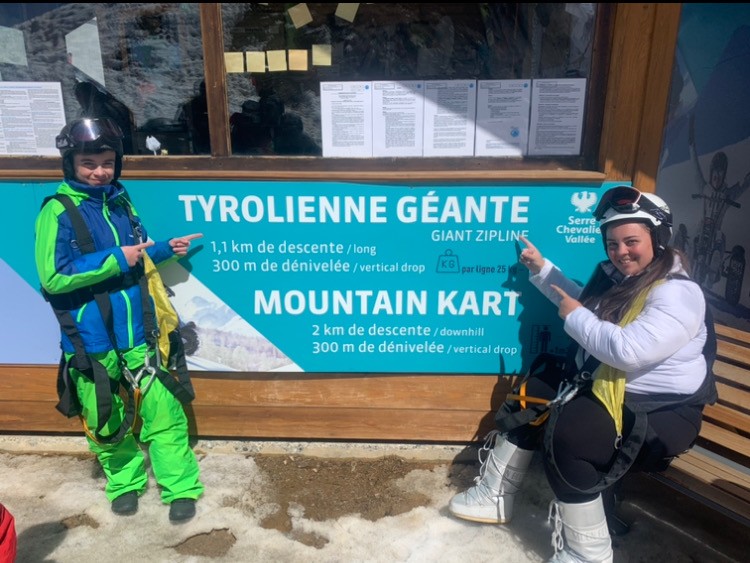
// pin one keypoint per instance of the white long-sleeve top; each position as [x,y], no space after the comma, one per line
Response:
[660,351]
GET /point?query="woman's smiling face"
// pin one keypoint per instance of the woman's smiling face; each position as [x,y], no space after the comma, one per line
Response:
[629,247]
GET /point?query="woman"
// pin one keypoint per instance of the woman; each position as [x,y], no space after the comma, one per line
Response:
[644,320]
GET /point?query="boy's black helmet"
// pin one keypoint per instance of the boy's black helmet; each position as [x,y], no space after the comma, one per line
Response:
[89,135]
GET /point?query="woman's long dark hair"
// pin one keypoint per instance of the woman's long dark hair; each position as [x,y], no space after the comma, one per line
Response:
[612,302]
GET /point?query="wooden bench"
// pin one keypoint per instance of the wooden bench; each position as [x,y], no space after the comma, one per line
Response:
[717,470]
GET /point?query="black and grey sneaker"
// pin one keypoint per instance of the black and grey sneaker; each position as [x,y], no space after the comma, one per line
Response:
[126,504]
[181,509]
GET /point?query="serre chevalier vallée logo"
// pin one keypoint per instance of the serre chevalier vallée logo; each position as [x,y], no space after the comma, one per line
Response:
[583,201]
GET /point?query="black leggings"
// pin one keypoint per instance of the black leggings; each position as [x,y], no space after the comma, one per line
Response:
[584,439]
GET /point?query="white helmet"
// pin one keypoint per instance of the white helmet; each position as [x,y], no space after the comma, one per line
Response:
[625,203]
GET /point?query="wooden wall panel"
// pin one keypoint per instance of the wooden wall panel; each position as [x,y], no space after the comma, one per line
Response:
[656,99]
[215,76]
[626,89]
[440,408]
[327,423]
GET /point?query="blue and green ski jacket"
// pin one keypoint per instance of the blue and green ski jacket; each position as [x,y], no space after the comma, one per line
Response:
[70,277]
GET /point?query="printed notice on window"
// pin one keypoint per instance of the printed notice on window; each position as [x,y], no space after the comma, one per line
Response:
[502,117]
[397,108]
[346,119]
[556,116]
[31,116]
[449,113]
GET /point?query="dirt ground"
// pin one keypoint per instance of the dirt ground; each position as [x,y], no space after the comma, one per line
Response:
[327,489]
[323,502]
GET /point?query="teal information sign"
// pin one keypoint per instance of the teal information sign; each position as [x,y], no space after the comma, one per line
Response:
[346,277]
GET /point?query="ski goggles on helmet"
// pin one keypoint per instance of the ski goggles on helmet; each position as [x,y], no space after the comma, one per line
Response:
[622,199]
[626,200]
[88,131]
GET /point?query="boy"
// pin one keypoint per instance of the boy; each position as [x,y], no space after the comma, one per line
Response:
[104,309]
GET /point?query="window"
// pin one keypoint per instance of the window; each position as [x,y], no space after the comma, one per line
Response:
[278,55]
[143,64]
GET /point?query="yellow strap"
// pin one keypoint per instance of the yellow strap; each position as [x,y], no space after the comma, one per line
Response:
[166,316]
[609,383]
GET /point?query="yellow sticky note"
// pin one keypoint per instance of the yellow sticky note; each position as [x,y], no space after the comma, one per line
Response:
[276,60]
[256,61]
[321,55]
[300,15]
[297,59]
[347,11]
[234,62]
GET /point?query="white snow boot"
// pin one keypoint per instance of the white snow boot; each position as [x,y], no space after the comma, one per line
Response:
[490,500]
[580,532]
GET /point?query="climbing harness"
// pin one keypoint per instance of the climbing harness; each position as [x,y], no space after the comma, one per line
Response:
[135,384]
[641,434]
[520,409]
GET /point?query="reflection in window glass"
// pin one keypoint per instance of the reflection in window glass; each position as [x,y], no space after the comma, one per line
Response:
[82,48]
[141,64]
[276,110]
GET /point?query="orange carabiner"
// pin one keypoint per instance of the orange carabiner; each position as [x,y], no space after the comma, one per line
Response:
[523,399]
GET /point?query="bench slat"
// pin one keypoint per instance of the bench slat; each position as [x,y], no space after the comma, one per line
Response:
[727,439]
[734,352]
[694,487]
[700,477]
[711,476]
[725,430]
[726,416]
[730,332]
[731,374]
[728,396]
[717,471]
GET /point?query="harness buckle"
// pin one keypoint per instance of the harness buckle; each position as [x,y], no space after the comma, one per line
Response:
[128,375]
[565,393]
[147,369]
[151,371]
